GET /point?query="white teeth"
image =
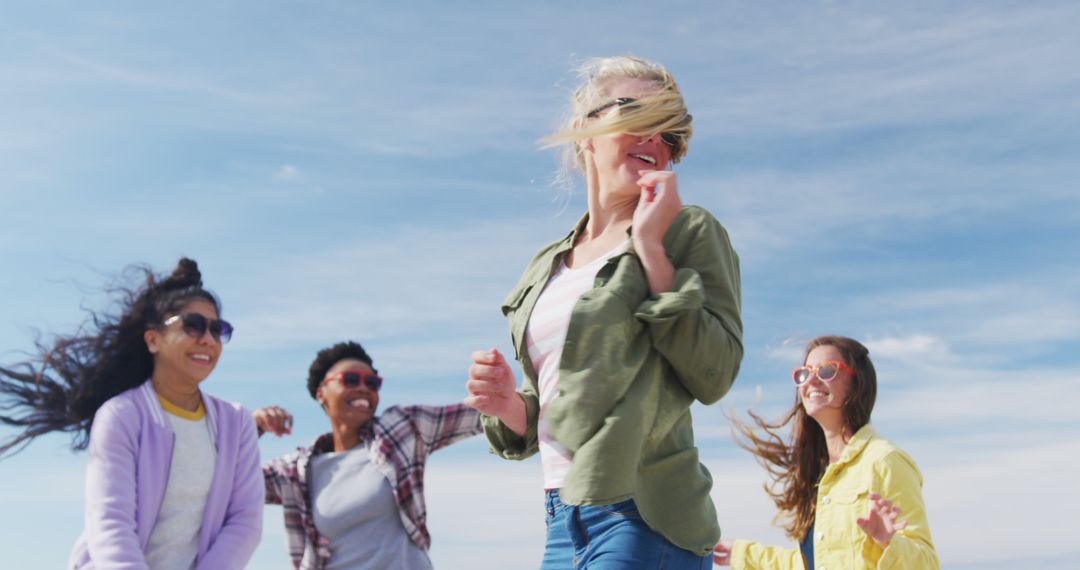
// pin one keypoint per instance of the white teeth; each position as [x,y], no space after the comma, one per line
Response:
[361,403]
[204,357]
[646,158]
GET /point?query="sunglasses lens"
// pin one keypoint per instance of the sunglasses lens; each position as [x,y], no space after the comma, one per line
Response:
[827,371]
[374,382]
[194,324]
[222,330]
[353,380]
[669,139]
[801,375]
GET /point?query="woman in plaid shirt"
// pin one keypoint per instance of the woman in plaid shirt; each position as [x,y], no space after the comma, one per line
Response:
[354,498]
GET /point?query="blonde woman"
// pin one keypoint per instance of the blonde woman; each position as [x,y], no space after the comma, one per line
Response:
[852,499]
[619,327]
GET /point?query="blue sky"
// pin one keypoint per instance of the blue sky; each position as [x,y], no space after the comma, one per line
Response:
[902,173]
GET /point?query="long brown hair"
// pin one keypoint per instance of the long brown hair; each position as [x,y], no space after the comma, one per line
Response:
[796,466]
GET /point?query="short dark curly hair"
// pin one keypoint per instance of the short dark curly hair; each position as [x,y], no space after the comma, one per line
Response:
[328,357]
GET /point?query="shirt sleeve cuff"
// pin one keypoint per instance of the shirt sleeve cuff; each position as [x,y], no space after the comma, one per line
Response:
[738,553]
[504,441]
[688,294]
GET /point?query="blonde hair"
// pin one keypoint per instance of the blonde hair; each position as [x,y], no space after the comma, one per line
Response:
[661,112]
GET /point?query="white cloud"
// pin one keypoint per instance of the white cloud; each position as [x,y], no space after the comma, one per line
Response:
[1028,312]
[945,398]
[908,347]
[287,172]
[789,350]
[972,493]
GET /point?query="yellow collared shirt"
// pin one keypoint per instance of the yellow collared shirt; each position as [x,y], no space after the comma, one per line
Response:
[870,464]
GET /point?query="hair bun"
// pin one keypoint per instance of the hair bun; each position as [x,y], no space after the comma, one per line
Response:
[186,273]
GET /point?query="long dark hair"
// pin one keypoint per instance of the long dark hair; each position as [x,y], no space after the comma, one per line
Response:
[61,387]
[796,466]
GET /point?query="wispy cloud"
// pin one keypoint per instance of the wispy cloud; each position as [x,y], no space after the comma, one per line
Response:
[918,346]
[287,172]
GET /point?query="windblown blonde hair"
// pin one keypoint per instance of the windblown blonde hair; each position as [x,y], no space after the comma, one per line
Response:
[661,112]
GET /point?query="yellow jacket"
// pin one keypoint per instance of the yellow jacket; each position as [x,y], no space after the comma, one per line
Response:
[869,464]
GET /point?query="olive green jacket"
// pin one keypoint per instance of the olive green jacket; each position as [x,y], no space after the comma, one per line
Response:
[631,366]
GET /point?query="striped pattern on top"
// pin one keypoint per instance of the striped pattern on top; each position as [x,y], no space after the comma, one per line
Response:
[544,338]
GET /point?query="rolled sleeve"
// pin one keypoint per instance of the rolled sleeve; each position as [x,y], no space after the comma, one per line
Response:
[697,327]
[509,445]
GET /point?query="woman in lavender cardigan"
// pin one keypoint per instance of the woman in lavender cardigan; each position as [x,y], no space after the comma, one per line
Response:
[173,478]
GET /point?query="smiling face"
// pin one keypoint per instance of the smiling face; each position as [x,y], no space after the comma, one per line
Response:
[824,401]
[616,158]
[353,407]
[180,356]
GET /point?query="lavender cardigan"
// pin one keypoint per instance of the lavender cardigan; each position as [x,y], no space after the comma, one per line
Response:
[130,451]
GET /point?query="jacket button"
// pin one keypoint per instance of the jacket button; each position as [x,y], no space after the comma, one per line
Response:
[825,500]
[821,536]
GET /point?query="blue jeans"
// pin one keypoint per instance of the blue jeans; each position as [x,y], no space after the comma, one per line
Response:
[609,537]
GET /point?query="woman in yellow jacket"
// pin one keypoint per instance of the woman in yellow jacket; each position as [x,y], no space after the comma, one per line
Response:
[851,498]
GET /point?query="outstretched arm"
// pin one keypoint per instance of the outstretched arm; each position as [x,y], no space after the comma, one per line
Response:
[749,555]
[273,419]
[439,426]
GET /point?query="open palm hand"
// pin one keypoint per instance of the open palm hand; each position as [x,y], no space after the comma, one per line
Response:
[883,520]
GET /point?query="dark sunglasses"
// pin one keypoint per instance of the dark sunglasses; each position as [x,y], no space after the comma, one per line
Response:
[195,325]
[670,139]
[617,102]
[826,372]
[353,379]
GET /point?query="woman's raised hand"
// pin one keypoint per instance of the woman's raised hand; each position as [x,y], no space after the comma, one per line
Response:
[883,520]
[658,206]
[273,419]
[656,209]
[492,390]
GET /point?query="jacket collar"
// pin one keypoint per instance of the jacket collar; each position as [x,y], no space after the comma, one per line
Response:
[571,238]
[157,413]
[857,444]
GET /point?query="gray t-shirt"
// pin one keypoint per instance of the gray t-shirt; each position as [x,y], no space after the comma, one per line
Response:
[354,508]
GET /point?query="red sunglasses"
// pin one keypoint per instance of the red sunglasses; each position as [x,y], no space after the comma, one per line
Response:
[352,379]
[826,371]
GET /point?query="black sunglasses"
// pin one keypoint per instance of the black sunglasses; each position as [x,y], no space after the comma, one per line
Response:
[619,102]
[195,325]
[353,379]
[670,139]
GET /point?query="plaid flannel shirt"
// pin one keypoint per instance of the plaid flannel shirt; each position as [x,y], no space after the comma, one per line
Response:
[399,441]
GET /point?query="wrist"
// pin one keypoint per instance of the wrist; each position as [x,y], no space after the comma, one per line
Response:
[648,247]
